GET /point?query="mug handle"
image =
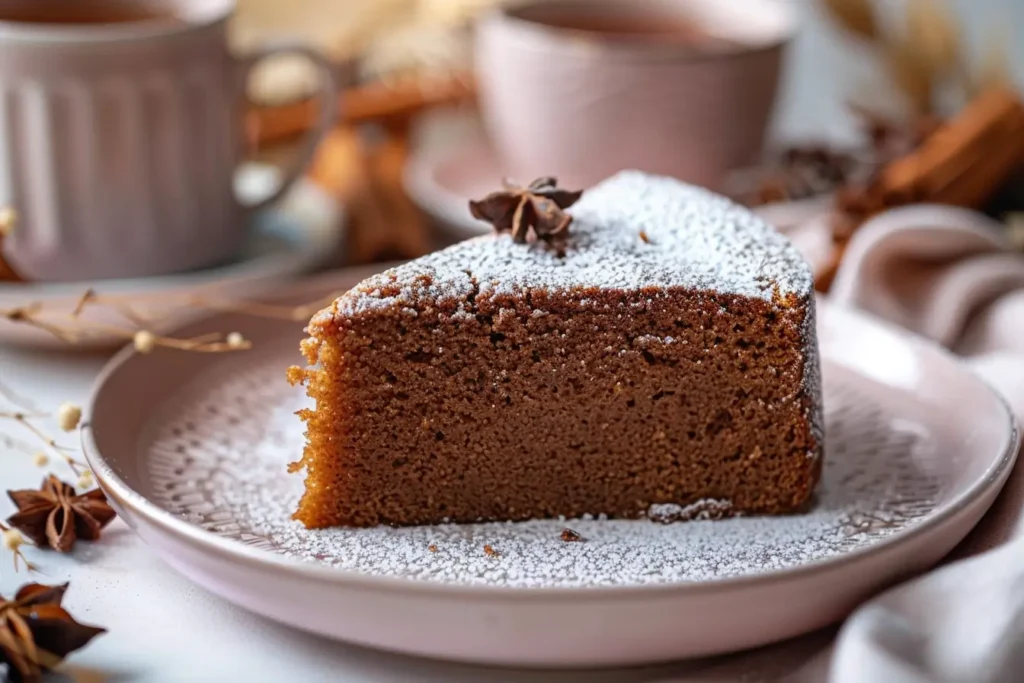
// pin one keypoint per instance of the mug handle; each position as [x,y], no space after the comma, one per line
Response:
[328,96]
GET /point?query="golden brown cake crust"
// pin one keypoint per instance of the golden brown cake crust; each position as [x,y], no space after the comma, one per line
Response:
[446,393]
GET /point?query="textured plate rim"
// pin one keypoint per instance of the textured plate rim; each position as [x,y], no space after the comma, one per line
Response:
[995,476]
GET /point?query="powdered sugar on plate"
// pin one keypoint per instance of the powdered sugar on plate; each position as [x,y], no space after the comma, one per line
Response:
[217,456]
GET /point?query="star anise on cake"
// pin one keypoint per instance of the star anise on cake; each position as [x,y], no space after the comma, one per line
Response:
[37,633]
[539,207]
[55,517]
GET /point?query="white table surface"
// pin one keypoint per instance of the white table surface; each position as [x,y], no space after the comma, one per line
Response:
[162,628]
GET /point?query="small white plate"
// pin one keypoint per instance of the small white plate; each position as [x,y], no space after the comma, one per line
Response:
[295,237]
[192,450]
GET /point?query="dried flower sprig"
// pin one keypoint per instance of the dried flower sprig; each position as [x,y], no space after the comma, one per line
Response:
[73,327]
[927,58]
[300,313]
[69,516]
[73,330]
[68,417]
[139,329]
[12,541]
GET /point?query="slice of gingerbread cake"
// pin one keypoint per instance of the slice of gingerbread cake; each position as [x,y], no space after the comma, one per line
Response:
[653,354]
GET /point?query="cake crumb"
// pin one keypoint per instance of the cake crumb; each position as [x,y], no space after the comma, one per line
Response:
[570,536]
[296,375]
[491,552]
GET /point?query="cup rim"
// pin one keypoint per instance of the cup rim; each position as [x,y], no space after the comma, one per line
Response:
[586,42]
[198,14]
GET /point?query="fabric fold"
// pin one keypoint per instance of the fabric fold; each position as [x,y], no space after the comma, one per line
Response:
[949,275]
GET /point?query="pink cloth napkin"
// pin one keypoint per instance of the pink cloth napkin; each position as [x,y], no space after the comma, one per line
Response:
[949,275]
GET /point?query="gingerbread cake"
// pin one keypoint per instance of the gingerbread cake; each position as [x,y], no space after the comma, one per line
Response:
[659,359]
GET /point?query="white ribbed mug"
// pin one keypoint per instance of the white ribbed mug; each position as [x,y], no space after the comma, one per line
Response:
[119,141]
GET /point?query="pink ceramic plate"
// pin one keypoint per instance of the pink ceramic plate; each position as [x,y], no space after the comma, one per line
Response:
[192,450]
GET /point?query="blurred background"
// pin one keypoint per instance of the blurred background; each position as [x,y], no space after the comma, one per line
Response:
[797,108]
[822,68]
[841,83]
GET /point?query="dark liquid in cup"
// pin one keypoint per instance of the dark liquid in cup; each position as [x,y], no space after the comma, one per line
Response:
[615,27]
[84,12]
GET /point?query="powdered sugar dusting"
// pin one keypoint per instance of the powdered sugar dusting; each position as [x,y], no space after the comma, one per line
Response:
[694,239]
[217,453]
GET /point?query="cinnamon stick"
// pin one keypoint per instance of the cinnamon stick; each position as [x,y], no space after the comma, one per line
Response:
[372,102]
[964,162]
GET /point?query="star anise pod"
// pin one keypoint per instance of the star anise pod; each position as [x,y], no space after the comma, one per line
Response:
[538,207]
[55,517]
[36,633]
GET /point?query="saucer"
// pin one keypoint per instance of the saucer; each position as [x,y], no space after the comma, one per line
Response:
[192,450]
[297,236]
[442,179]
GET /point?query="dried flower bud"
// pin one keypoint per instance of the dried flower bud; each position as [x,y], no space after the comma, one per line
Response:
[68,417]
[145,341]
[8,219]
[236,340]
[40,459]
[85,481]
[12,540]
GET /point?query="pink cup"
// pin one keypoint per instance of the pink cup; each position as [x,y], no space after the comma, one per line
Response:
[583,103]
